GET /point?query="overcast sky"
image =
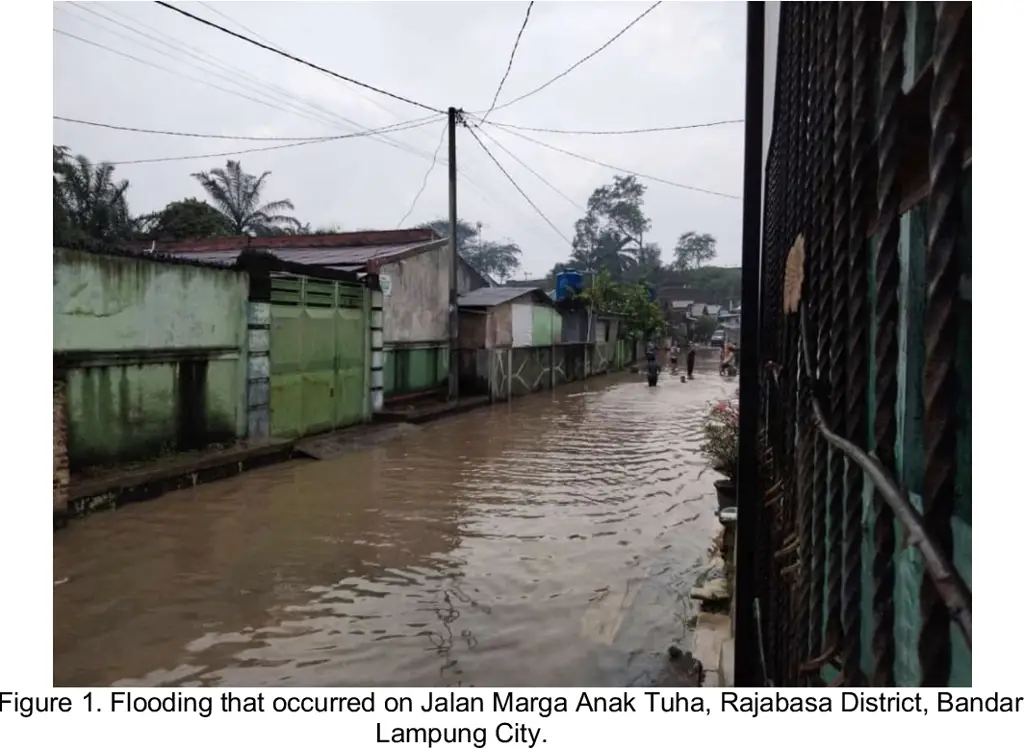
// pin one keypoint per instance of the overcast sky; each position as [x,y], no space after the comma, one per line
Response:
[682,64]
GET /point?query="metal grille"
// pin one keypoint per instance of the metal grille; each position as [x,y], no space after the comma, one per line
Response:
[838,170]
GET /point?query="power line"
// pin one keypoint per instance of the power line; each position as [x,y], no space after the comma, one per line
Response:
[393,143]
[620,168]
[125,128]
[390,128]
[522,163]
[239,24]
[181,48]
[512,57]
[638,131]
[265,40]
[426,176]
[576,65]
[299,60]
[518,188]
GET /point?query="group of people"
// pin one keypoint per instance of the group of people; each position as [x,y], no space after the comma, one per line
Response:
[673,357]
[727,363]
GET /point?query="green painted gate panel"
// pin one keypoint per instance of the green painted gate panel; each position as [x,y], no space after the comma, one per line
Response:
[286,364]
[317,356]
[350,381]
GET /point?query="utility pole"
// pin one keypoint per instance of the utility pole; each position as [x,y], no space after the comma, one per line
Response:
[453,271]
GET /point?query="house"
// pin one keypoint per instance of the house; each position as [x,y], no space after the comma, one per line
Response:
[413,268]
[508,317]
[507,341]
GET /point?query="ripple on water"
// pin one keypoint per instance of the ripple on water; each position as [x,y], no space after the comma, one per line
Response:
[546,542]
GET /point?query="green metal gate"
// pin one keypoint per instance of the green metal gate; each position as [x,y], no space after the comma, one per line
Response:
[318,355]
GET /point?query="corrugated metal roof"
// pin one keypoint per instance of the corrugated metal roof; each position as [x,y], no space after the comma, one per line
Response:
[496,296]
[348,258]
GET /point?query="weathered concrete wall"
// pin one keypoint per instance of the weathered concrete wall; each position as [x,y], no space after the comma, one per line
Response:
[520,371]
[61,472]
[416,307]
[499,326]
[155,353]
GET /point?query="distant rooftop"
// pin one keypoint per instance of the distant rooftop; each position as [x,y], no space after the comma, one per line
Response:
[487,297]
[352,251]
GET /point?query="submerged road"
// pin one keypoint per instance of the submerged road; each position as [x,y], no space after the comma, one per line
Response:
[547,542]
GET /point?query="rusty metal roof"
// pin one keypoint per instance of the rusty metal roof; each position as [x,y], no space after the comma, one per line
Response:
[347,258]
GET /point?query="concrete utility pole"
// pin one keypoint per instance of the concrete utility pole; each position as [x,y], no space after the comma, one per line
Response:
[453,273]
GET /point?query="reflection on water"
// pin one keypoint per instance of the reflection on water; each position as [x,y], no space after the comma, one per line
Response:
[546,542]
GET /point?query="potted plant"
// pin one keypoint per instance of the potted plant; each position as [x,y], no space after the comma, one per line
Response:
[720,447]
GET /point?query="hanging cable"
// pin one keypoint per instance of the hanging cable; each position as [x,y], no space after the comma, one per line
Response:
[638,131]
[426,176]
[512,57]
[367,133]
[210,136]
[576,65]
[518,188]
[239,24]
[522,163]
[619,168]
[293,58]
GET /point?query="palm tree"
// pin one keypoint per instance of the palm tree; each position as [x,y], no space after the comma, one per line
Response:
[88,204]
[236,195]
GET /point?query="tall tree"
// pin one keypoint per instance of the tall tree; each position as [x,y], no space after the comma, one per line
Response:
[648,266]
[693,250]
[89,205]
[500,260]
[610,235]
[236,194]
[184,219]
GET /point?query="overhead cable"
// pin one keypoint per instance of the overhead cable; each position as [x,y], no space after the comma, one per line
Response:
[426,176]
[512,57]
[526,166]
[519,189]
[387,141]
[239,24]
[299,60]
[211,136]
[637,131]
[366,133]
[619,168]
[577,64]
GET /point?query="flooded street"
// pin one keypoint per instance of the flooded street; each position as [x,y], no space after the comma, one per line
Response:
[547,542]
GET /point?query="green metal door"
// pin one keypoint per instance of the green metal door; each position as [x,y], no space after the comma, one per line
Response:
[350,352]
[317,356]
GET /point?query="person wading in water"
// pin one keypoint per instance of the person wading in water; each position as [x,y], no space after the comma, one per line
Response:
[691,360]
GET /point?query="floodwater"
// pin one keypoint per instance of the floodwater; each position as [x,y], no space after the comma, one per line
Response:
[547,542]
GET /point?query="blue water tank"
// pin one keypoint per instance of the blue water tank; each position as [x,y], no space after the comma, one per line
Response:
[568,282]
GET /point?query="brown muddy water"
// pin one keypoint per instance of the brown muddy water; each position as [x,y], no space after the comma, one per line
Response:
[547,542]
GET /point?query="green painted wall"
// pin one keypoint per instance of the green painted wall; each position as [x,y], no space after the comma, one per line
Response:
[155,355]
[547,325]
[411,369]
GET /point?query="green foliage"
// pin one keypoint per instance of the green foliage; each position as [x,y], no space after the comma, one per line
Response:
[705,326]
[236,195]
[693,250]
[631,301]
[610,235]
[721,283]
[90,208]
[497,259]
[184,219]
